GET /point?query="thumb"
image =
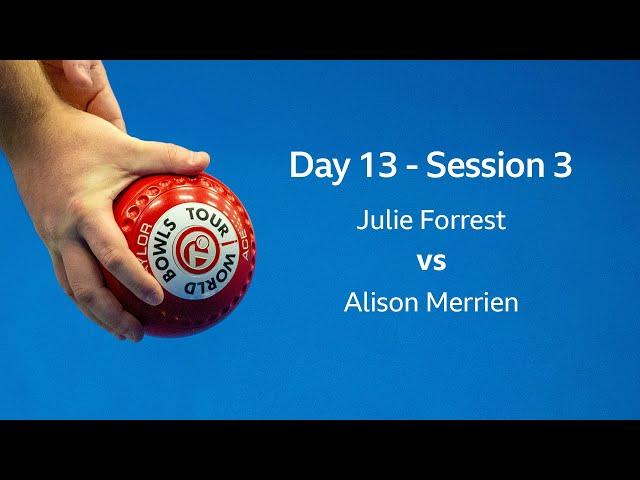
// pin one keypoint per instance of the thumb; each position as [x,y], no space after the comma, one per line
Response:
[158,157]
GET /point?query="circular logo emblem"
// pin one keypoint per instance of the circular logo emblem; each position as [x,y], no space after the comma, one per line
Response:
[196,250]
[193,250]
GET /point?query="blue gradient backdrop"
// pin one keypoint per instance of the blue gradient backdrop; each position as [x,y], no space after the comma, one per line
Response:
[570,252]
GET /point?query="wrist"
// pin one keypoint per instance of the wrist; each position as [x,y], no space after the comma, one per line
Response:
[23,138]
[26,99]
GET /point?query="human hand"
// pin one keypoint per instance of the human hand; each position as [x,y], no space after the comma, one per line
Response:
[69,166]
[84,85]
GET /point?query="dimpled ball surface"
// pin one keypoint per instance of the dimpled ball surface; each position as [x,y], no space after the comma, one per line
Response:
[195,237]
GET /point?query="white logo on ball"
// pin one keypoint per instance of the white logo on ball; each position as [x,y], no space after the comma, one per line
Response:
[193,250]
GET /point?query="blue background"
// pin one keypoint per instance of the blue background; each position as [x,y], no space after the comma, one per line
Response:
[570,251]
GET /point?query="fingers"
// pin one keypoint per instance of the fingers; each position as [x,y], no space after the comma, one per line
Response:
[91,76]
[95,320]
[93,297]
[158,157]
[79,72]
[105,106]
[61,274]
[104,103]
[110,248]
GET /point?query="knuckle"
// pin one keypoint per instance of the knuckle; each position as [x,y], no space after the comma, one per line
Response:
[115,322]
[172,152]
[86,296]
[80,212]
[48,229]
[77,207]
[113,259]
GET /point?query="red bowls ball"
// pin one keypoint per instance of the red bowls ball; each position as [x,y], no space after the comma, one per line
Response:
[195,237]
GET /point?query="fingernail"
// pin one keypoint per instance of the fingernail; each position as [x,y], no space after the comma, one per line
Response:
[154,298]
[198,158]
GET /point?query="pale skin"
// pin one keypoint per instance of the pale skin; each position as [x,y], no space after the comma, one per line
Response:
[63,133]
